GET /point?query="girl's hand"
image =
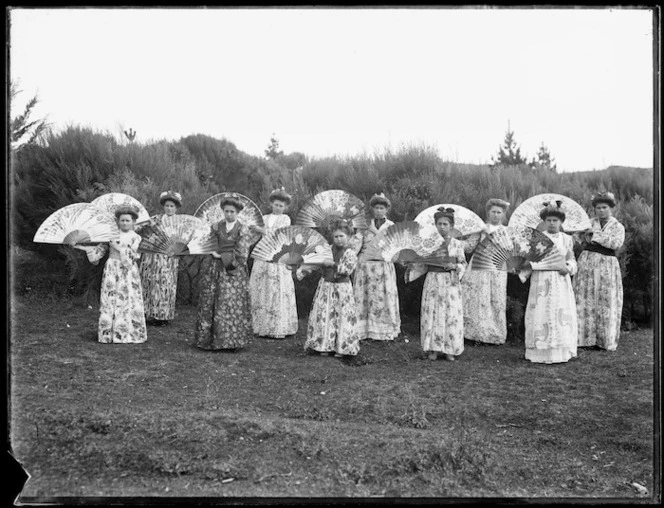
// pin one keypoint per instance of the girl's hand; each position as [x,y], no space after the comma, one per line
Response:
[563,271]
[327,262]
[215,255]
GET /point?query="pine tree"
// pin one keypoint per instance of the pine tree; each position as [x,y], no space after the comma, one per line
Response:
[272,151]
[24,130]
[509,154]
[544,159]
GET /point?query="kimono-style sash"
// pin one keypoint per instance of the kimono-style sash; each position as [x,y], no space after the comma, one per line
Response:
[593,247]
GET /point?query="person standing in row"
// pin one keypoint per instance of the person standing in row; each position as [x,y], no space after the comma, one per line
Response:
[598,283]
[274,311]
[375,282]
[159,273]
[332,326]
[121,313]
[441,317]
[550,320]
[223,320]
[485,292]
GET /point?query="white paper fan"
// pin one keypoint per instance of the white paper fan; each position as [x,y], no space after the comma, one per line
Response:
[510,248]
[288,245]
[403,241]
[250,215]
[527,213]
[77,223]
[170,235]
[329,205]
[114,200]
[466,221]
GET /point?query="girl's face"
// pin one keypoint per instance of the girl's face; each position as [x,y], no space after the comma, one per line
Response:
[496,215]
[552,224]
[170,208]
[278,207]
[602,210]
[444,226]
[126,222]
[340,238]
[379,211]
[230,213]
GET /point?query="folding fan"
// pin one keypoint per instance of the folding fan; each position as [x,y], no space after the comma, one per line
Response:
[288,245]
[321,254]
[527,213]
[77,223]
[403,241]
[250,215]
[170,235]
[330,205]
[114,200]
[466,221]
[509,249]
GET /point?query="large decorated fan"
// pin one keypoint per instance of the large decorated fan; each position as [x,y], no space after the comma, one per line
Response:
[527,213]
[250,215]
[114,200]
[331,205]
[466,221]
[509,249]
[171,235]
[289,245]
[403,241]
[76,224]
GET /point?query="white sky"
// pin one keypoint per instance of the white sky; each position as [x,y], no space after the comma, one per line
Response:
[347,81]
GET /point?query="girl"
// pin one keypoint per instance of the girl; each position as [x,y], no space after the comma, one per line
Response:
[598,283]
[375,283]
[223,321]
[550,321]
[332,324]
[441,318]
[274,313]
[121,314]
[159,273]
[485,292]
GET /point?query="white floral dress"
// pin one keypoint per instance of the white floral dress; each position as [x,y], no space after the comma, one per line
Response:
[273,308]
[376,295]
[598,288]
[550,320]
[121,313]
[159,277]
[332,326]
[485,303]
[441,317]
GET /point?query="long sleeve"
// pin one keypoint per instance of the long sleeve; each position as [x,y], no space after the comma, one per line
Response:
[347,263]
[612,237]
[95,253]
[458,253]
[129,253]
[241,251]
[570,260]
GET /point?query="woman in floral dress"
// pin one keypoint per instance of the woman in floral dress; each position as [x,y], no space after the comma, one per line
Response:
[550,320]
[159,273]
[223,320]
[121,315]
[332,326]
[375,283]
[441,317]
[598,283]
[274,312]
[485,292]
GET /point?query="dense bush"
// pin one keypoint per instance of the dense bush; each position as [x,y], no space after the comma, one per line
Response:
[79,164]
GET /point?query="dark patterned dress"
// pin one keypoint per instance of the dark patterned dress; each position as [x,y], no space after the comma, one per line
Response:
[159,276]
[223,319]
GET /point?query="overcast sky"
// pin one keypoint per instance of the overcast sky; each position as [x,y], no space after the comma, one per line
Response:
[348,81]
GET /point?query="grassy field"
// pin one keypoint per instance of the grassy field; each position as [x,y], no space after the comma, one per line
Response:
[166,419]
